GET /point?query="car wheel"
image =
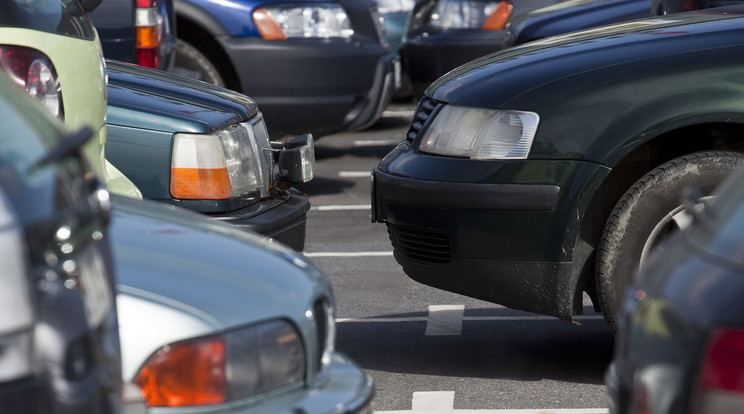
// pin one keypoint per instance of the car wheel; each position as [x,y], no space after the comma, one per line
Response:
[646,214]
[192,63]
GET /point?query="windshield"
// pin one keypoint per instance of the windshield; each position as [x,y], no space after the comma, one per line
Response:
[64,17]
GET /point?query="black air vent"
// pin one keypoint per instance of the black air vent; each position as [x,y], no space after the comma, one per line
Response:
[424,110]
[419,245]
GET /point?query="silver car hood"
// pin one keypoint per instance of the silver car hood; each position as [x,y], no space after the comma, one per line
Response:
[181,275]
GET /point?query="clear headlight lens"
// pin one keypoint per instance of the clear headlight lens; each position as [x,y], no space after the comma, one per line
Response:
[292,21]
[471,14]
[394,6]
[228,163]
[481,134]
[221,368]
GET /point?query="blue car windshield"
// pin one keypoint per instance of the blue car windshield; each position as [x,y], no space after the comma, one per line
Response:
[64,17]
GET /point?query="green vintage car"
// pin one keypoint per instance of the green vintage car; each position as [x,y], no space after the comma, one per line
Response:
[206,148]
[541,172]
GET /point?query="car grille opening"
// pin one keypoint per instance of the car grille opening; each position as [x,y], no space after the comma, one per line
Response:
[423,111]
[420,245]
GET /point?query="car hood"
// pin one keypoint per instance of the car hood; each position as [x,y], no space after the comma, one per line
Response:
[171,102]
[570,15]
[181,275]
[495,80]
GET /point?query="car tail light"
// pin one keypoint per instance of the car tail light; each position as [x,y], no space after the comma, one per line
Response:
[148,27]
[722,373]
[497,20]
[34,71]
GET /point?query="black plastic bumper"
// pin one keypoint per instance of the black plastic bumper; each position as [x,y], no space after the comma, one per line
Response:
[320,86]
[446,235]
[283,219]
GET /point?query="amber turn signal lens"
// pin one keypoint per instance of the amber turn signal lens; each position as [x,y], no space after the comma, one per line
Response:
[200,183]
[497,20]
[187,374]
[266,25]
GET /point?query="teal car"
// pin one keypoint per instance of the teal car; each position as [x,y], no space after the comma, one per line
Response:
[551,169]
[205,148]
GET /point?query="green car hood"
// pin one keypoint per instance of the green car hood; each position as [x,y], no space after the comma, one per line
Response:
[495,80]
[149,99]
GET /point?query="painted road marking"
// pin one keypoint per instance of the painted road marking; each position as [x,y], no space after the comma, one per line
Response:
[444,320]
[465,319]
[338,207]
[354,174]
[441,402]
[348,254]
[375,142]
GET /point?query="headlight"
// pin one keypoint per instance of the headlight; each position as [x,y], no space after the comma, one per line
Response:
[316,21]
[228,163]
[394,6]
[221,368]
[470,14]
[480,134]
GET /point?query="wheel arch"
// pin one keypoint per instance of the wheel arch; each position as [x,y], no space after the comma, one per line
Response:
[201,32]
[669,143]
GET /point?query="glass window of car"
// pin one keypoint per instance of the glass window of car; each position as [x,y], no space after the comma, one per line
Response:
[64,17]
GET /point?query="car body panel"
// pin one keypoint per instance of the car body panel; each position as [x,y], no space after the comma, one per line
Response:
[608,102]
[691,286]
[60,348]
[115,23]
[147,108]
[86,80]
[519,77]
[314,85]
[574,15]
[228,279]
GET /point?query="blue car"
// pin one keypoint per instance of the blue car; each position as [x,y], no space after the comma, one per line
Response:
[318,66]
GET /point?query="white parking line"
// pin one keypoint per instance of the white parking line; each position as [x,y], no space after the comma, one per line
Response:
[466,319]
[444,320]
[338,207]
[517,411]
[354,174]
[347,254]
[375,142]
[441,402]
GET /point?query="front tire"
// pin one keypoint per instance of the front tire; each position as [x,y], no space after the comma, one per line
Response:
[646,215]
[192,63]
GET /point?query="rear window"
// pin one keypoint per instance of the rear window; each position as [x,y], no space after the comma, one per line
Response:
[64,17]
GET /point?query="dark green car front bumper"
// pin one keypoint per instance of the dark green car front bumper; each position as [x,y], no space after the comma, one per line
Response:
[505,232]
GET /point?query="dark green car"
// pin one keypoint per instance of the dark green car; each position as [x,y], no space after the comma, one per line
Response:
[550,169]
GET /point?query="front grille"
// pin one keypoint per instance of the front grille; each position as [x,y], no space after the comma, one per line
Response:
[424,110]
[419,245]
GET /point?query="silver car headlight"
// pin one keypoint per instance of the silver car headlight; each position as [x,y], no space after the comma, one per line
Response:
[232,162]
[221,368]
[311,21]
[480,134]
[394,6]
[471,14]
